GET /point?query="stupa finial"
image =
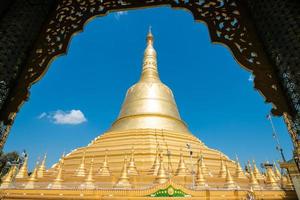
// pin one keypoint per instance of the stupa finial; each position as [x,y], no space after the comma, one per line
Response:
[256,171]
[239,171]
[131,167]
[200,180]
[269,180]
[81,169]
[33,178]
[287,183]
[58,180]
[276,171]
[150,36]
[23,172]
[181,169]
[42,168]
[150,72]
[222,173]
[155,166]
[104,170]
[162,176]
[89,181]
[8,178]
[229,184]
[123,181]
[205,171]
[253,181]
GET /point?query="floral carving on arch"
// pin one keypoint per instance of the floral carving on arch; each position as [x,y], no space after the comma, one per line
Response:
[227,21]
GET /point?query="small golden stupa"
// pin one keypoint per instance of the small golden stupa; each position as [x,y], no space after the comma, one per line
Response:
[165,159]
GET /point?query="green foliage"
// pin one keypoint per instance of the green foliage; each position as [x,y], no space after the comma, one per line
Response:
[6,159]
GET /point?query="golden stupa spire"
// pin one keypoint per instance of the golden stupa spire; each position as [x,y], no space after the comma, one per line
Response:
[42,168]
[200,180]
[81,169]
[104,170]
[253,181]
[56,166]
[222,173]
[89,181]
[229,184]
[123,181]
[155,166]
[169,169]
[239,173]
[269,180]
[150,72]
[149,104]
[58,180]
[131,166]
[181,169]
[286,182]
[8,178]
[23,171]
[162,175]
[33,178]
[205,171]
[256,172]
[248,169]
[276,171]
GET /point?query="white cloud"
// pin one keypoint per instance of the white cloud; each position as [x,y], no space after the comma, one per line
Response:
[119,14]
[71,117]
[42,115]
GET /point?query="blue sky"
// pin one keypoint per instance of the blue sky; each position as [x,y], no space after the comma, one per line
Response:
[214,94]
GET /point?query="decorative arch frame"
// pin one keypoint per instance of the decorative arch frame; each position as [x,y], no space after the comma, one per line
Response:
[228,22]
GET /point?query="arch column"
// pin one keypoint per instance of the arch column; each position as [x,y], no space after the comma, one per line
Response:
[278,27]
[21,23]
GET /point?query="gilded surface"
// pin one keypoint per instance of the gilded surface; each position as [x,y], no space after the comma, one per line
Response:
[149,130]
[149,103]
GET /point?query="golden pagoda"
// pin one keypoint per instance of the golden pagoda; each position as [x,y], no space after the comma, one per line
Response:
[23,171]
[149,121]
[57,183]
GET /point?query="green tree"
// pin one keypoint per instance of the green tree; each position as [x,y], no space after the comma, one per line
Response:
[6,159]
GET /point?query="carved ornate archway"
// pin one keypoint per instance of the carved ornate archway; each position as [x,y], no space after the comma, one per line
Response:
[227,20]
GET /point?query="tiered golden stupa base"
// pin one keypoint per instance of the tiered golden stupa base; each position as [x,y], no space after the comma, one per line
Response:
[146,143]
[168,190]
[167,148]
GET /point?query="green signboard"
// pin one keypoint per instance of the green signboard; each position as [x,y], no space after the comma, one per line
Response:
[170,191]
